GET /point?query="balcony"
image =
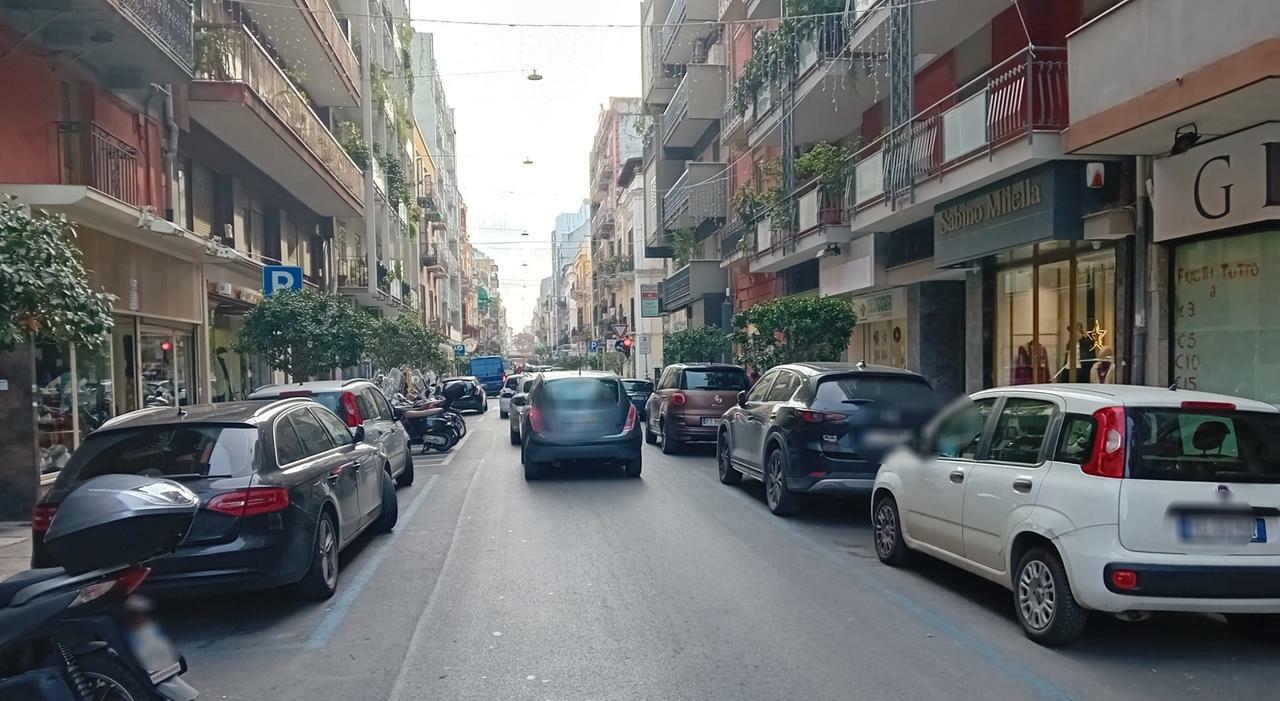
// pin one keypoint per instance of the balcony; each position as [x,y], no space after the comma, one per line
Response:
[819,222]
[130,43]
[698,196]
[431,263]
[309,36]
[1004,121]
[1170,63]
[92,156]
[763,9]
[243,97]
[693,282]
[696,106]
[681,32]
[602,224]
[602,177]
[732,10]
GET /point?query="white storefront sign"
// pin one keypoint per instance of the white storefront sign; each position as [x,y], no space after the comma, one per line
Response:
[882,306]
[1223,184]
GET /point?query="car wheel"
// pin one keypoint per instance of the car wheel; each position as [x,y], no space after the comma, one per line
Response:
[1257,627]
[728,473]
[890,546]
[515,437]
[406,477]
[649,436]
[390,507]
[1043,600]
[781,500]
[633,466]
[670,446]
[503,414]
[321,579]
[532,470]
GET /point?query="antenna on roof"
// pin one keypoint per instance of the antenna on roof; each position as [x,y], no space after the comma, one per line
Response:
[862,363]
[1173,387]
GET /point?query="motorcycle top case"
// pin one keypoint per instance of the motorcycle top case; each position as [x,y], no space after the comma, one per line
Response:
[116,520]
[455,391]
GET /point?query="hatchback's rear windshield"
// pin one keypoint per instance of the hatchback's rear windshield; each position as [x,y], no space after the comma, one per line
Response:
[838,393]
[166,451]
[633,386]
[719,378]
[1204,446]
[331,401]
[573,392]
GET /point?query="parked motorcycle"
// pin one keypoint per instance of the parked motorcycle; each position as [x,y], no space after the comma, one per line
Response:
[71,633]
[428,423]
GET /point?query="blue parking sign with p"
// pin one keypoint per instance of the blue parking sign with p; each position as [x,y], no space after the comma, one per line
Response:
[460,350]
[281,277]
[594,346]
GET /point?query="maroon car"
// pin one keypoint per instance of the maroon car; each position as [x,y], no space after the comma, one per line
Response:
[688,402]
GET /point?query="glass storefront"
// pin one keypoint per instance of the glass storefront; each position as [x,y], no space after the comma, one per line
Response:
[234,375]
[1226,324]
[1055,316]
[880,334]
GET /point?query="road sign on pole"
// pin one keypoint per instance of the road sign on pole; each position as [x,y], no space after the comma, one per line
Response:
[460,350]
[281,277]
[594,347]
[644,344]
[617,345]
[619,330]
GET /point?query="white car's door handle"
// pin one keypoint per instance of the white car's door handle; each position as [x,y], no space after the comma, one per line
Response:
[957,476]
[1022,485]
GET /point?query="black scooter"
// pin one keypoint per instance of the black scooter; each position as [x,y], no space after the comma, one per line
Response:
[428,424]
[72,633]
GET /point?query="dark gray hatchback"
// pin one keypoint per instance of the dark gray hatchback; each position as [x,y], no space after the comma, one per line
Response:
[578,416]
[283,486]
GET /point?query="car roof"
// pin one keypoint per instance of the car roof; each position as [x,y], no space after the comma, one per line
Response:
[1131,395]
[846,368]
[315,386]
[252,411]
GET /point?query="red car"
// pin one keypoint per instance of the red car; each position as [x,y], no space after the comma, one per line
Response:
[688,402]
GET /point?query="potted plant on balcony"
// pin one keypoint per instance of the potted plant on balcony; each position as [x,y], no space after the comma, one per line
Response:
[830,165]
[214,47]
[683,246]
[353,143]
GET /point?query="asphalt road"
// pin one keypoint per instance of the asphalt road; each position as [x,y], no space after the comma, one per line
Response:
[589,585]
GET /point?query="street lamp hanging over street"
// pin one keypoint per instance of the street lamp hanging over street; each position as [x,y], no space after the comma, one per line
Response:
[534,75]
[528,161]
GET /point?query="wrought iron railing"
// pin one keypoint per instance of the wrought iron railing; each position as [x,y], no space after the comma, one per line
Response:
[323,15]
[229,53]
[353,272]
[169,22]
[91,156]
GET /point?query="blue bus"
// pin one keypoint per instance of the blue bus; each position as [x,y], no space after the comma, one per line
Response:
[490,370]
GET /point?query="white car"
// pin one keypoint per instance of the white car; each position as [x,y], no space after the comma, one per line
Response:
[1118,499]
[509,389]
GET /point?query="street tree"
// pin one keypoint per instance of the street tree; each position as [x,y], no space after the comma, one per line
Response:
[46,291]
[793,330]
[402,340]
[694,345]
[306,333]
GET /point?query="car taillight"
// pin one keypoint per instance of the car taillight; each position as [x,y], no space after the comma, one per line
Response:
[1108,456]
[253,501]
[631,419]
[1124,579]
[351,410]
[124,585]
[816,417]
[43,517]
[678,399]
[535,419]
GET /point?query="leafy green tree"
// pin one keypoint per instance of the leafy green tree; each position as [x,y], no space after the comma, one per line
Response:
[792,330]
[306,333]
[694,345]
[44,289]
[403,340]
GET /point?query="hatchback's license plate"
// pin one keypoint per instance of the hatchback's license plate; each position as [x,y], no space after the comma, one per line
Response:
[879,438]
[710,421]
[1222,529]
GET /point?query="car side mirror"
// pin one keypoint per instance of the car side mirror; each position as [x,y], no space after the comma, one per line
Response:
[742,399]
[520,400]
[357,433]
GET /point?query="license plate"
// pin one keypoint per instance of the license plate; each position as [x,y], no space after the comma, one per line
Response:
[1222,529]
[153,651]
[710,421]
[880,438]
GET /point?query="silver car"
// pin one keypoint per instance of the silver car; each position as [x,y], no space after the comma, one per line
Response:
[518,405]
[509,389]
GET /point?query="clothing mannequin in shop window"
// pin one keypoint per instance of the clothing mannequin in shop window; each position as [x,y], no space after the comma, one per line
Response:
[1032,364]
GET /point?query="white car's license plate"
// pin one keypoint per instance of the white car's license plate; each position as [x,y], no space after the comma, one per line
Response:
[1222,529]
[710,421]
[881,438]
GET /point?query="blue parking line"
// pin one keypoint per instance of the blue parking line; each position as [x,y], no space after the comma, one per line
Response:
[333,619]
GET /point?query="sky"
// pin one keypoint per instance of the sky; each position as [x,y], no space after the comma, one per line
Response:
[503,118]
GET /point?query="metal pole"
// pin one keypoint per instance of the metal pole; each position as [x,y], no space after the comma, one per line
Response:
[1141,259]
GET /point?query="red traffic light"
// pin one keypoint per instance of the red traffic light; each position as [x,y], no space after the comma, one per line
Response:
[626,342]
[166,346]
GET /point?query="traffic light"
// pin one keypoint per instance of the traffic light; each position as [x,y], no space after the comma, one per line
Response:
[626,346]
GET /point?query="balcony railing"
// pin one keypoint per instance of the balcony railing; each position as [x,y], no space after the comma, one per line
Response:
[1024,94]
[692,282]
[328,21]
[231,54]
[169,22]
[682,22]
[91,156]
[353,272]
[699,194]
[603,176]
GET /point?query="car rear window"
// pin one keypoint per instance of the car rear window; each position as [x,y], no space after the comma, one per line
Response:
[838,393]
[575,392]
[1204,446]
[634,386]
[331,401]
[719,378]
[167,451]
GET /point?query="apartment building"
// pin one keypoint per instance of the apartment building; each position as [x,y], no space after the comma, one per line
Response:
[617,142]
[572,232]
[640,289]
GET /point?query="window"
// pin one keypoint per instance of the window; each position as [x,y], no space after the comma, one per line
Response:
[380,403]
[288,445]
[166,451]
[960,434]
[1020,430]
[580,392]
[898,391]
[512,382]
[669,378]
[368,409]
[315,439]
[1204,446]
[719,378]
[1076,443]
[761,388]
[337,430]
[784,387]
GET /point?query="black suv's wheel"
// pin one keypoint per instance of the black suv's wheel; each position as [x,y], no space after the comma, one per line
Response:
[406,478]
[670,446]
[728,473]
[633,466]
[532,470]
[891,548]
[1043,601]
[390,507]
[781,500]
[321,579]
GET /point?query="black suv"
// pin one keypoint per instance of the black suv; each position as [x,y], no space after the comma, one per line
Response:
[820,428]
[578,416]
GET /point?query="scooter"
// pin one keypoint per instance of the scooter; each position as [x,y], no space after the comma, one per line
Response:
[427,424]
[72,633]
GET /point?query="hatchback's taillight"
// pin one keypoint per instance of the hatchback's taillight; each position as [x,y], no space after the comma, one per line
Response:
[816,417]
[678,399]
[535,419]
[253,501]
[631,419]
[351,410]
[1108,456]
[43,517]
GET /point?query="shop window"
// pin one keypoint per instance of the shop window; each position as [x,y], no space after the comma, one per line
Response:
[94,399]
[54,406]
[914,243]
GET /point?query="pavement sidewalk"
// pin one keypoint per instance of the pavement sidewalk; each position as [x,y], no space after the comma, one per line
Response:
[15,548]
